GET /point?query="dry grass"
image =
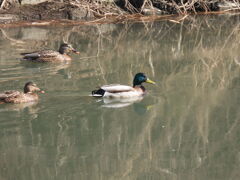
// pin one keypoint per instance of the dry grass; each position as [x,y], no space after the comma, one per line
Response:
[108,12]
[104,7]
[109,7]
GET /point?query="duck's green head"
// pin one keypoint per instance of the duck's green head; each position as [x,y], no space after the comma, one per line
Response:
[141,78]
[67,48]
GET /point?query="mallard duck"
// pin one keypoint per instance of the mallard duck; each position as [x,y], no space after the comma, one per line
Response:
[50,55]
[123,91]
[28,95]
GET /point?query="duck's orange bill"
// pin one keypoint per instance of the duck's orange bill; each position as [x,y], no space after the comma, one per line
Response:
[75,51]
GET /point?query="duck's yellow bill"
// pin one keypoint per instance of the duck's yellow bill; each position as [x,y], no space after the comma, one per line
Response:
[150,81]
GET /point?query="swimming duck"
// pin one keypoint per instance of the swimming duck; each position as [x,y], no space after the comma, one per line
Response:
[50,55]
[124,91]
[28,95]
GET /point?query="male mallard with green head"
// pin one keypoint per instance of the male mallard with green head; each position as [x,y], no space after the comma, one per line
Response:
[50,55]
[124,91]
[28,95]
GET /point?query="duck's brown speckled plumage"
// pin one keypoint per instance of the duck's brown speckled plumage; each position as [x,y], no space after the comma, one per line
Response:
[50,55]
[29,94]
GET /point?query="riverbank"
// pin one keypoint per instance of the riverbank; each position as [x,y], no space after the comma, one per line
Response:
[85,11]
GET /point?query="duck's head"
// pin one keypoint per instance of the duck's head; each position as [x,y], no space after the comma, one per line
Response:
[141,78]
[67,48]
[31,87]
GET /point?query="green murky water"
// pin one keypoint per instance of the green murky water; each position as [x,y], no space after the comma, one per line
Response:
[187,127]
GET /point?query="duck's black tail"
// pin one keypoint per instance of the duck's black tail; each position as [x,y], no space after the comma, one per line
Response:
[98,93]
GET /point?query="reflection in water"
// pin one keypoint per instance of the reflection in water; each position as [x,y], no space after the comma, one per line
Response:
[139,106]
[46,68]
[121,102]
[191,133]
[29,108]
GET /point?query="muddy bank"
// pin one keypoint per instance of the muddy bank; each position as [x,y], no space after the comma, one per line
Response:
[56,10]
[87,10]
[45,11]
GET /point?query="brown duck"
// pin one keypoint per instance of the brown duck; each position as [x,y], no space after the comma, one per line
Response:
[50,55]
[13,96]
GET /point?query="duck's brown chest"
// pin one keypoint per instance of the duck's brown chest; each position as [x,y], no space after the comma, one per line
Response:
[23,98]
[140,89]
[66,57]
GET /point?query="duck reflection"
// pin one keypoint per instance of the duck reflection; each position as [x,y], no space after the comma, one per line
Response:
[30,108]
[57,68]
[141,108]
[120,103]
[139,105]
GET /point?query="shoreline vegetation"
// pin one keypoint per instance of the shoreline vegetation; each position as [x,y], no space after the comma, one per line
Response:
[45,12]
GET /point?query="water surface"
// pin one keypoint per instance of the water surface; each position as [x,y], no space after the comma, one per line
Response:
[187,127]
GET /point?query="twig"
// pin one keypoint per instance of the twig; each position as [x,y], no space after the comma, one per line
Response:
[3,4]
